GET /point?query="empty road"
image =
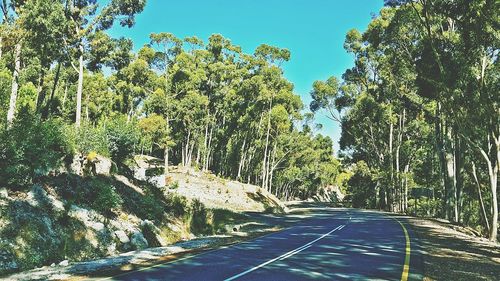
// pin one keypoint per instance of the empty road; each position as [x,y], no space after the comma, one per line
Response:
[332,244]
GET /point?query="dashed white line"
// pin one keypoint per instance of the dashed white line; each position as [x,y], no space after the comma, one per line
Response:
[285,255]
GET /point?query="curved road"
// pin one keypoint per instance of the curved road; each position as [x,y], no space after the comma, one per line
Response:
[333,244]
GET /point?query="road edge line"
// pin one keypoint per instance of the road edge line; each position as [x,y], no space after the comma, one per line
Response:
[406,266]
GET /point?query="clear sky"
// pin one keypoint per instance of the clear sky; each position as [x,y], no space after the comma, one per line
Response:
[313,31]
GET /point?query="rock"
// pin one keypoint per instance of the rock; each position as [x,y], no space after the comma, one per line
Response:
[89,218]
[140,173]
[52,264]
[64,263]
[122,236]
[56,205]
[102,165]
[36,196]
[4,193]
[7,262]
[111,249]
[152,234]
[76,166]
[97,226]
[158,181]
[138,241]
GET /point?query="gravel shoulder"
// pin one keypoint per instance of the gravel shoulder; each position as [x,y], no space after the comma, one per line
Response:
[450,254]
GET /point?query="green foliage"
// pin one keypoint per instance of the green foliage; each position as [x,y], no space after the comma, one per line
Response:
[98,193]
[177,205]
[122,137]
[200,218]
[104,196]
[361,187]
[174,185]
[88,138]
[31,148]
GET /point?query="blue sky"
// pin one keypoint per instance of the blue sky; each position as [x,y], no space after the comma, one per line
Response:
[313,31]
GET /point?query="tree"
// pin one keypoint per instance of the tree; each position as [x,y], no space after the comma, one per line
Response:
[85,21]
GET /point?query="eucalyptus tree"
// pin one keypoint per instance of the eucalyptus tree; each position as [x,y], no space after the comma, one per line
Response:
[12,35]
[169,47]
[272,58]
[85,18]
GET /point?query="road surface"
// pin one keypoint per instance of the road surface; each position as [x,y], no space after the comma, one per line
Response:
[333,244]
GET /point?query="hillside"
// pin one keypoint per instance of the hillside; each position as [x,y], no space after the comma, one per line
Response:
[67,217]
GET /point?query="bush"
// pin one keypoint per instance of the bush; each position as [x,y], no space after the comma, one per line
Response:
[177,205]
[87,138]
[103,196]
[201,221]
[122,137]
[98,193]
[29,149]
[424,207]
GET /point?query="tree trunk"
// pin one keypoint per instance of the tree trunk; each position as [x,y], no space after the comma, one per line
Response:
[48,107]
[15,85]
[165,168]
[242,158]
[264,164]
[391,159]
[459,166]
[80,88]
[40,92]
[481,201]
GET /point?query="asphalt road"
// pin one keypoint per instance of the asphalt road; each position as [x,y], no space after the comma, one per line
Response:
[333,244]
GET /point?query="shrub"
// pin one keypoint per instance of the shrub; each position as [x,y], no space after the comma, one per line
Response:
[174,185]
[201,218]
[122,137]
[98,193]
[103,196]
[87,138]
[177,205]
[151,208]
[29,149]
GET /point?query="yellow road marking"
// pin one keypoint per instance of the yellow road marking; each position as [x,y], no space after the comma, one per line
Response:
[406,267]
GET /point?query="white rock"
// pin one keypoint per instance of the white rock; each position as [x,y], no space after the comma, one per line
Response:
[76,166]
[158,181]
[122,236]
[64,263]
[152,233]
[89,218]
[138,240]
[36,195]
[102,165]
[97,226]
[111,249]
[4,193]
[140,173]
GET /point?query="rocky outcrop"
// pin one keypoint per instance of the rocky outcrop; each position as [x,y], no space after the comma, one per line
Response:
[331,194]
[89,218]
[152,234]
[38,197]
[3,193]
[101,165]
[92,164]
[138,241]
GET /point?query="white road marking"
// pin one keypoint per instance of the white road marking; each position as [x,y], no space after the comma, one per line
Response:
[285,255]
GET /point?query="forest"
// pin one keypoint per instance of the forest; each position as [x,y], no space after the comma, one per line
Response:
[68,88]
[419,110]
